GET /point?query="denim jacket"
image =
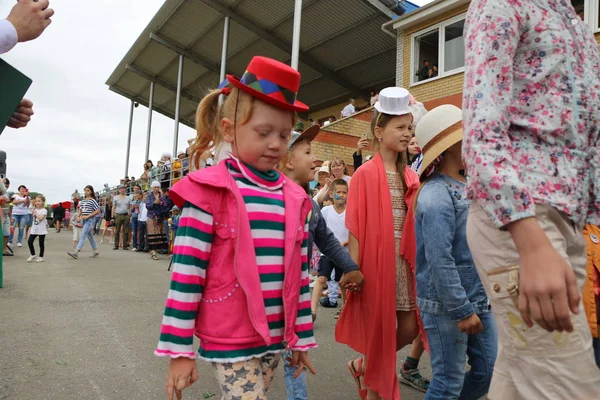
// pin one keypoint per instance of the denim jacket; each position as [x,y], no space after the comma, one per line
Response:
[319,233]
[447,282]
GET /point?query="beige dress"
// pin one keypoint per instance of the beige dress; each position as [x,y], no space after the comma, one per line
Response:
[405,288]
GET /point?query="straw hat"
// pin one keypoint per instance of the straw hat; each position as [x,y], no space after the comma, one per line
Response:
[438,130]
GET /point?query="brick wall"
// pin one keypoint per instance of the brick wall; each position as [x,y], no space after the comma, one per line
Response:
[339,139]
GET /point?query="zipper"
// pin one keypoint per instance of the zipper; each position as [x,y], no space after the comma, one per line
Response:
[237,247]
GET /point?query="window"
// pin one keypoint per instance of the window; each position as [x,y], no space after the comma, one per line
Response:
[438,51]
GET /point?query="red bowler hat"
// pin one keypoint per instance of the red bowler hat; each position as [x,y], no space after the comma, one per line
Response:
[271,81]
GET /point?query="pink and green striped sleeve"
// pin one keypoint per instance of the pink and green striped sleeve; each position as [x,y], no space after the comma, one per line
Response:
[191,253]
[304,323]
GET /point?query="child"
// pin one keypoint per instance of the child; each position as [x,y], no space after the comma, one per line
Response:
[335,217]
[77,224]
[382,318]
[248,225]
[299,165]
[39,229]
[174,224]
[450,296]
[142,227]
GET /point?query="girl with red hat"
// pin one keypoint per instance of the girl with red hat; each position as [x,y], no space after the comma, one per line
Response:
[240,266]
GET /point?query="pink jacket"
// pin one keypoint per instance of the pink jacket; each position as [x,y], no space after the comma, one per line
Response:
[242,319]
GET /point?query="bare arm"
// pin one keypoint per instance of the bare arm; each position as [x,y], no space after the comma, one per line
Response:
[353,248]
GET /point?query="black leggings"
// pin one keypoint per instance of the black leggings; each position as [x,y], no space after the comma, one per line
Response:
[30,243]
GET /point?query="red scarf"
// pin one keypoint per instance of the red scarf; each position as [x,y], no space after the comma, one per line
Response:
[368,319]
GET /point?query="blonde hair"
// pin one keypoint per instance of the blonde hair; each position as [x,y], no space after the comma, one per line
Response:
[238,106]
[338,160]
[380,120]
[41,196]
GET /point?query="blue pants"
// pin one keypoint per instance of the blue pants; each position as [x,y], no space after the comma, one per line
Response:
[20,221]
[134,229]
[296,388]
[88,226]
[449,350]
[97,221]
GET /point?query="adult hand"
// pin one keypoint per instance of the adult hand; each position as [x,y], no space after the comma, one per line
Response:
[352,281]
[471,325]
[22,115]
[30,18]
[363,143]
[299,360]
[181,374]
[548,288]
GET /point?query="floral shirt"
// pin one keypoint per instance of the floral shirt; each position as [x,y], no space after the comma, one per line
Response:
[531,110]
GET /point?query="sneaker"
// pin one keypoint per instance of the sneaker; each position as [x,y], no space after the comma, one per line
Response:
[73,254]
[31,258]
[9,244]
[134,249]
[39,259]
[95,254]
[115,248]
[101,241]
[111,242]
[414,379]
[19,244]
[328,304]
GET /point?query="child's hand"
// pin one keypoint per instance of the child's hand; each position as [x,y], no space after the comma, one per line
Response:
[299,360]
[182,373]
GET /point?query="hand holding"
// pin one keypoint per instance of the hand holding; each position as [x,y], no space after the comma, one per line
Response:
[352,281]
[22,115]
[471,325]
[299,360]
[30,18]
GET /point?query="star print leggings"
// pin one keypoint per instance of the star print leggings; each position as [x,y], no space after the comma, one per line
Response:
[247,380]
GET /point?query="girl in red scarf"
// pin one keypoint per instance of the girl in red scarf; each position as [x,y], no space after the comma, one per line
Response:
[382,319]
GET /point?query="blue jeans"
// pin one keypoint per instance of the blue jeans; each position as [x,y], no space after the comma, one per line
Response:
[88,226]
[296,388]
[166,225]
[97,223]
[134,229]
[597,350]
[19,223]
[449,350]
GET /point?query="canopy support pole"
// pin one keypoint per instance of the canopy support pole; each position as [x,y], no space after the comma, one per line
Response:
[150,104]
[296,33]
[178,105]
[129,138]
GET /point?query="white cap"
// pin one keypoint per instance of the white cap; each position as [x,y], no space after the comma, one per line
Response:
[324,168]
[180,153]
[393,101]
[155,184]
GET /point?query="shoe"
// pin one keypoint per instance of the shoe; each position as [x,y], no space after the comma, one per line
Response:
[101,241]
[115,248]
[337,314]
[95,254]
[134,249]
[314,317]
[19,244]
[73,254]
[125,248]
[39,259]
[139,250]
[9,244]
[328,304]
[414,379]
[111,242]
[31,258]
[146,250]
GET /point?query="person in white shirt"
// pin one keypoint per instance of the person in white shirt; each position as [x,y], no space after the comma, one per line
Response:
[349,109]
[141,233]
[20,211]
[39,229]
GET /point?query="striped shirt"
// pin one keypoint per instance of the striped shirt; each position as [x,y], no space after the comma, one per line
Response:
[263,197]
[88,206]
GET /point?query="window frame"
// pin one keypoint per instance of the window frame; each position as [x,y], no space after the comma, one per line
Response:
[442,73]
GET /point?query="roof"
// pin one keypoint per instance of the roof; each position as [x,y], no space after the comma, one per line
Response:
[343,50]
[425,13]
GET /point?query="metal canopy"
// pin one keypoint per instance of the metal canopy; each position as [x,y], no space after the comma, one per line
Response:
[343,50]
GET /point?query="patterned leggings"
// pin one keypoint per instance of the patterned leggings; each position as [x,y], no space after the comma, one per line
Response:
[247,380]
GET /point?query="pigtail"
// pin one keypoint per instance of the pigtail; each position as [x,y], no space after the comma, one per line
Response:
[208,118]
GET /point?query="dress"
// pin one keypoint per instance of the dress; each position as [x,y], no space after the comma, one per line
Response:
[405,296]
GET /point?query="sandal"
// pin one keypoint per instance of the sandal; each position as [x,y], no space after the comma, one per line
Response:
[7,254]
[154,257]
[357,375]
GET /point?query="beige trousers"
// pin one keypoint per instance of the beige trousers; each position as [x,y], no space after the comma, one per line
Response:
[533,364]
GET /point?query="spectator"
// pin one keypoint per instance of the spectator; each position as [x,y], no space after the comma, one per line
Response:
[121,213]
[374,98]
[59,215]
[6,216]
[142,239]
[349,109]
[423,73]
[88,209]
[20,209]
[152,172]
[156,205]
[363,143]
[145,177]
[108,218]
[433,72]
[177,167]
[135,212]
[164,172]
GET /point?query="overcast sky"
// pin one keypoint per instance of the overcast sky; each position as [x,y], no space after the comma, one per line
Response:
[79,132]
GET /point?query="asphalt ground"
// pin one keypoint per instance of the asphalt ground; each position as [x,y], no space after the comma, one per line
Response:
[87,328]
